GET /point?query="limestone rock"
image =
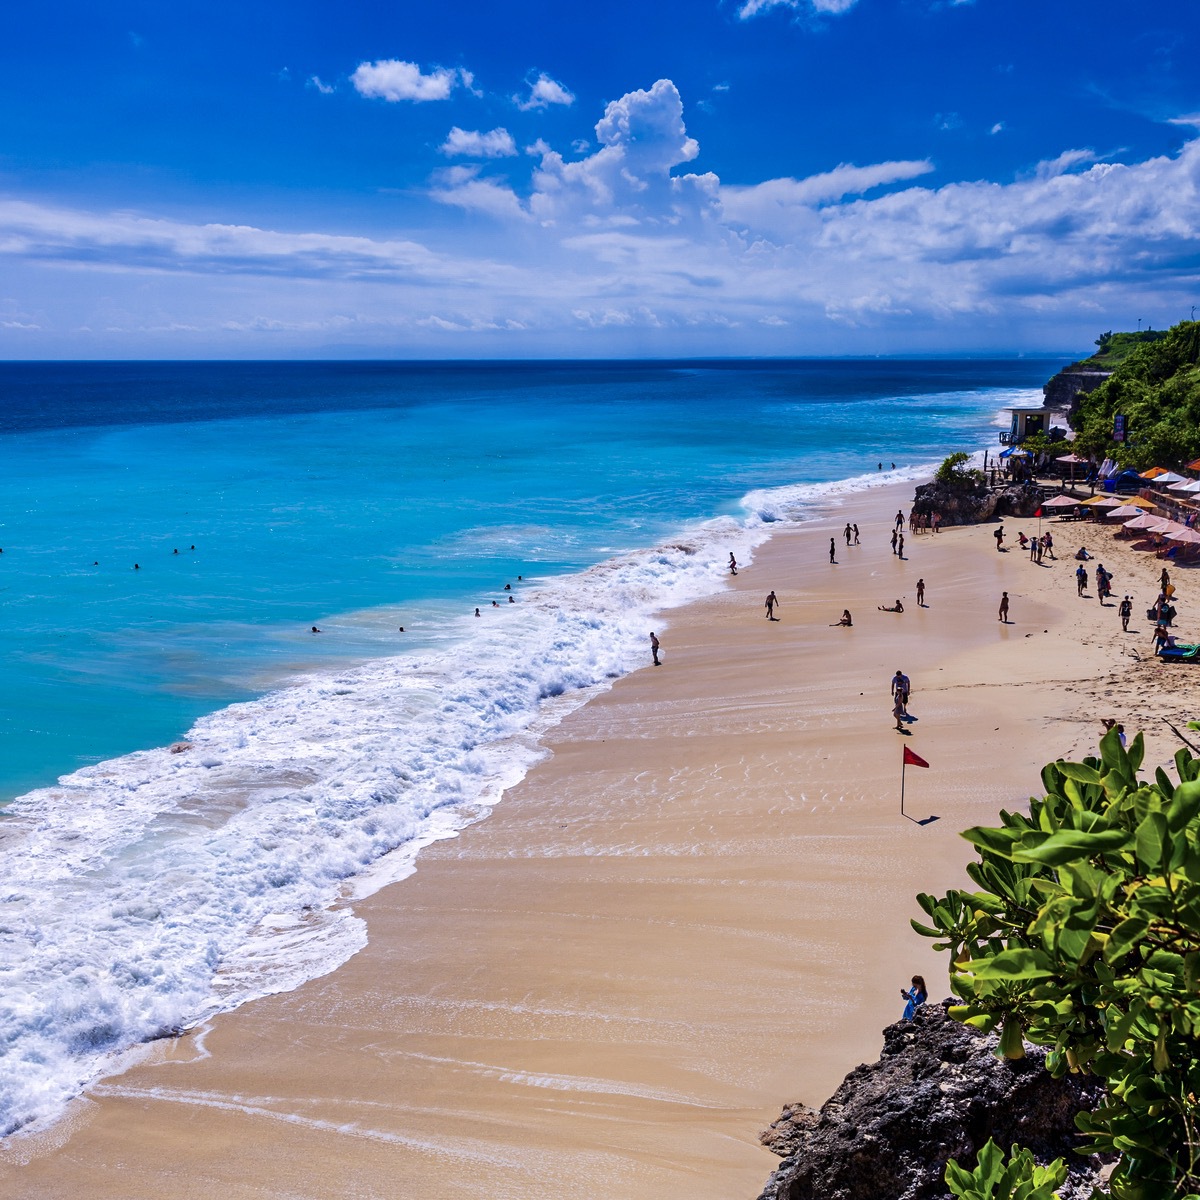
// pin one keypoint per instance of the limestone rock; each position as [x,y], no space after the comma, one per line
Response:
[964,506]
[937,1092]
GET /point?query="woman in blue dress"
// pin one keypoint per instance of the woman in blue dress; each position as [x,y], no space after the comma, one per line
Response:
[916,996]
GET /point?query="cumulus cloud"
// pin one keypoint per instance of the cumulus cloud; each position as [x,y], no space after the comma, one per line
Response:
[496,143]
[628,242]
[393,79]
[544,91]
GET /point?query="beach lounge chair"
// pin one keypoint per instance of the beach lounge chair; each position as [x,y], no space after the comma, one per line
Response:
[1181,652]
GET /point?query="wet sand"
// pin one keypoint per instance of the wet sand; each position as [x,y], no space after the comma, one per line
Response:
[694,910]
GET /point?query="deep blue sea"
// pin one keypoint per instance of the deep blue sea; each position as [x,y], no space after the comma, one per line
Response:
[170,534]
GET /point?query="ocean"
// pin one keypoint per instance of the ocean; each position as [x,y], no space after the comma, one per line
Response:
[194,785]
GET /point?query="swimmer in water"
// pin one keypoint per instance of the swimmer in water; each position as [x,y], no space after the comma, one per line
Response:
[315,629]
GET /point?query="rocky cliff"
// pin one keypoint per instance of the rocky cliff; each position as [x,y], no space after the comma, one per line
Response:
[969,506]
[1061,390]
[937,1092]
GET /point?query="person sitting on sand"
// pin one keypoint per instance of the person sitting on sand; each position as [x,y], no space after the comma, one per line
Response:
[916,996]
[897,607]
[846,620]
[1082,554]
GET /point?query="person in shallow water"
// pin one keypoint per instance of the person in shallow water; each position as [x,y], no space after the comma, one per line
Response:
[654,649]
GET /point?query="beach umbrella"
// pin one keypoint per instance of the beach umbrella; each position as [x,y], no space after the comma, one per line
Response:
[1144,521]
[1102,502]
[1183,535]
[1154,472]
[1072,459]
[1062,502]
[1140,502]
[1168,477]
[1166,526]
[1187,489]
[1194,466]
[1125,510]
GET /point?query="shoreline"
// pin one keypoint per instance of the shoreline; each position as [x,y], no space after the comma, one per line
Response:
[698,900]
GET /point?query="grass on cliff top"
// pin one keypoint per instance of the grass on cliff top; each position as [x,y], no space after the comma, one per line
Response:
[1115,348]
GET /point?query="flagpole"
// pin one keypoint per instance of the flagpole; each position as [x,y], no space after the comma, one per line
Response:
[903,764]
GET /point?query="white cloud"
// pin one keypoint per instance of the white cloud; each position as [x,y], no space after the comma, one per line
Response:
[326,89]
[625,247]
[997,128]
[392,79]
[752,8]
[543,92]
[1064,162]
[496,143]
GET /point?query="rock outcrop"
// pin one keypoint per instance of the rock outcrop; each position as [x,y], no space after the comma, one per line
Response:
[970,506]
[937,1092]
[1063,389]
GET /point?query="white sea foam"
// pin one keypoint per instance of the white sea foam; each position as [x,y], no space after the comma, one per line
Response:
[143,895]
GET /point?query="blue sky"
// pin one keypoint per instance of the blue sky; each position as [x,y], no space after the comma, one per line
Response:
[539,179]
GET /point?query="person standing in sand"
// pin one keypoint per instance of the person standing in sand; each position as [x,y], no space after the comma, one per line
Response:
[900,689]
[1004,608]
[999,536]
[1125,611]
[855,528]
[898,713]
[920,593]
[1080,579]
[894,535]
[654,649]
[899,518]
[900,546]
[771,601]
[832,550]
[846,532]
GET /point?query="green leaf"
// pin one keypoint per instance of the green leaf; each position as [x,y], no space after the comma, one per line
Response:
[1015,964]
[1150,840]
[1123,939]
[1070,844]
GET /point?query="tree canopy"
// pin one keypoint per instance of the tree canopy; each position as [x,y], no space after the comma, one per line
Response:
[1156,387]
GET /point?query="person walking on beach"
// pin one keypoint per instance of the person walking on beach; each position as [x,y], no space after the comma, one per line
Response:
[1125,611]
[999,536]
[832,550]
[771,601]
[1004,608]
[846,531]
[898,713]
[1165,579]
[900,546]
[916,996]
[1080,579]
[654,649]
[900,689]
[920,593]
[855,528]
[894,541]
[732,564]
[1048,542]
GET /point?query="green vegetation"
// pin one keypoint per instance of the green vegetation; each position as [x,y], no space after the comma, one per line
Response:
[994,1179]
[954,473]
[1115,348]
[1157,389]
[1085,938]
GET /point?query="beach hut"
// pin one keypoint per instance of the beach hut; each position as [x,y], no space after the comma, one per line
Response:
[1025,422]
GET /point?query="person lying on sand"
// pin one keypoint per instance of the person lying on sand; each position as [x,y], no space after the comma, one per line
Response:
[897,607]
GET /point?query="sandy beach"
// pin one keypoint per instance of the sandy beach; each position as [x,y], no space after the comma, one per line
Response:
[693,910]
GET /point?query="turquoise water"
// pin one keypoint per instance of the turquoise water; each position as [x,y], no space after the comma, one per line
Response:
[315,493]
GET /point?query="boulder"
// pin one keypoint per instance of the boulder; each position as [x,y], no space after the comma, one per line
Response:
[972,506]
[937,1092]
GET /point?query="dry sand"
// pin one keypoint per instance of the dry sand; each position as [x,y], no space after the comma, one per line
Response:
[694,910]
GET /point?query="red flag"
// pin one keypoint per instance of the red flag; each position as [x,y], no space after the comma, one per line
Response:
[913,760]
[1039,511]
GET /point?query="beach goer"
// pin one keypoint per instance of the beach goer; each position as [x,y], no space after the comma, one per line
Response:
[899,519]
[1125,611]
[771,601]
[1080,579]
[654,649]
[1109,725]
[315,629]
[855,528]
[937,522]
[999,536]
[920,593]
[900,546]
[898,713]
[832,550]
[1082,554]
[846,620]
[915,995]
[732,564]
[897,607]
[495,603]
[1022,540]
[1048,542]
[1162,637]
[477,612]
[894,536]
[508,587]
[1165,579]
[511,600]
[901,688]
[893,466]
[1004,607]
[846,532]
[879,467]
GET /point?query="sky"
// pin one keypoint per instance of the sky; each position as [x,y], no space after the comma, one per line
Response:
[533,179]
